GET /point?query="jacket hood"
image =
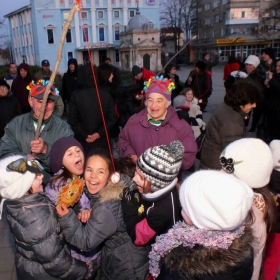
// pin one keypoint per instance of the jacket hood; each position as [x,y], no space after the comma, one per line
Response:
[111,192]
[215,261]
[73,61]
[24,66]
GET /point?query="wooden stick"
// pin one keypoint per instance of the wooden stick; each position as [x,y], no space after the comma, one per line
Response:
[176,55]
[66,26]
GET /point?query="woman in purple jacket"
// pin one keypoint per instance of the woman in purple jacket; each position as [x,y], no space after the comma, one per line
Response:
[157,124]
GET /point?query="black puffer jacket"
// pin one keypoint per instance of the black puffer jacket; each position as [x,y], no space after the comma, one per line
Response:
[120,259]
[41,251]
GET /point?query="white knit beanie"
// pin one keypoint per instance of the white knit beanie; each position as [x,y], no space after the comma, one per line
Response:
[253,60]
[275,150]
[250,160]
[13,184]
[215,200]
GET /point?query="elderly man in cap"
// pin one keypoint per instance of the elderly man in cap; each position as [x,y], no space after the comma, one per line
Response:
[45,74]
[20,132]
[157,124]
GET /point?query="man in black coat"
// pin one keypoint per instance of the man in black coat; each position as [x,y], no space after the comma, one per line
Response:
[85,115]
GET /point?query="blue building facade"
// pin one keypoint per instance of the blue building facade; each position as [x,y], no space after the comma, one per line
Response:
[94,32]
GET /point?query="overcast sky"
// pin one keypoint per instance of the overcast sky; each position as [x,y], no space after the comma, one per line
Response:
[8,6]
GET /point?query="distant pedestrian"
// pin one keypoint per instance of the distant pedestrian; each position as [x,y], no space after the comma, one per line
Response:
[209,63]
[22,80]
[12,73]
[69,82]
[9,106]
[200,80]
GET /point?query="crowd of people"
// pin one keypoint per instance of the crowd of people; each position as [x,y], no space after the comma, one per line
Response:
[77,211]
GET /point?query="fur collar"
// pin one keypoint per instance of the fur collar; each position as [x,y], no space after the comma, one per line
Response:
[111,192]
[214,260]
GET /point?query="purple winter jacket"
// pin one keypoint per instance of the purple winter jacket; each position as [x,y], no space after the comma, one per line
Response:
[138,135]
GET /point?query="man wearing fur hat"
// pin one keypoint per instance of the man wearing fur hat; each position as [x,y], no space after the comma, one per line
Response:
[157,124]
[20,132]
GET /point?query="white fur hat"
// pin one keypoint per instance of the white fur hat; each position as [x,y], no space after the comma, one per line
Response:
[275,150]
[215,200]
[13,184]
[250,160]
[253,60]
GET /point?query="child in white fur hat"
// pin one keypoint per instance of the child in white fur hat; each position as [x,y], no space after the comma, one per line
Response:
[272,252]
[41,250]
[250,160]
[213,241]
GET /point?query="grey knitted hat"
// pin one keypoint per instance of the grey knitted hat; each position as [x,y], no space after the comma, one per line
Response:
[161,164]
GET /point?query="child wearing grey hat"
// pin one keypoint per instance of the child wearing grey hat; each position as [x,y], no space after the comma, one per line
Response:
[154,207]
[41,250]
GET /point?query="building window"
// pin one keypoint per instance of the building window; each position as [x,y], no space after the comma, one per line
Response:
[70,1]
[243,14]
[207,6]
[116,14]
[117,55]
[100,14]
[70,55]
[117,33]
[216,33]
[68,37]
[85,34]
[131,14]
[101,34]
[216,18]
[207,21]
[65,15]
[50,36]
[84,15]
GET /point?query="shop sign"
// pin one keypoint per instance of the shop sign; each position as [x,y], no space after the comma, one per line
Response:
[231,40]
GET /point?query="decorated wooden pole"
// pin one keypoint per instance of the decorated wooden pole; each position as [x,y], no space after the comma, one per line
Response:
[77,6]
[176,55]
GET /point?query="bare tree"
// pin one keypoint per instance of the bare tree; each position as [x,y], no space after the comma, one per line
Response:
[269,23]
[175,16]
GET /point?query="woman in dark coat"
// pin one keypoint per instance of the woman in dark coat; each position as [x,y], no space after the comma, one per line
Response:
[227,122]
[9,106]
[21,81]
[200,80]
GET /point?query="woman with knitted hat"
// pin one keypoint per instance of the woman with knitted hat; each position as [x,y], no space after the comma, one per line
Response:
[67,164]
[250,160]
[214,240]
[154,208]
[41,250]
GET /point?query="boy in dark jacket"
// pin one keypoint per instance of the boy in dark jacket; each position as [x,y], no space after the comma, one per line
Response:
[41,251]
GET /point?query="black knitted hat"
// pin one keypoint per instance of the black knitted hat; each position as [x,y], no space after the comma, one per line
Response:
[136,70]
[58,150]
[4,83]
[201,65]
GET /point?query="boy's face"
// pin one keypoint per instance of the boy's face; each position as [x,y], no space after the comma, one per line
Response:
[37,183]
